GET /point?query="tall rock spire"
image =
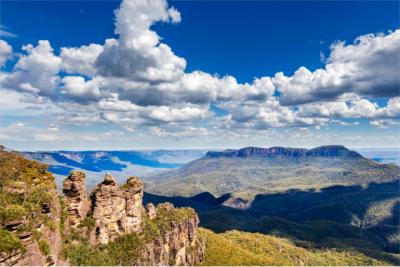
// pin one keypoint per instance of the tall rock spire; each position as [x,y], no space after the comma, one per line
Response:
[75,198]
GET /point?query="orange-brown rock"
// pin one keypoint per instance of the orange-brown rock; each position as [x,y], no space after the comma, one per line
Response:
[75,198]
[134,209]
[109,213]
[151,211]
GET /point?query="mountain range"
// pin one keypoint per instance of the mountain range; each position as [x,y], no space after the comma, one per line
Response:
[119,163]
[246,172]
[323,206]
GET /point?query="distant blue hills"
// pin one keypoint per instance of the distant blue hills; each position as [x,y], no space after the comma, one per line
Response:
[62,162]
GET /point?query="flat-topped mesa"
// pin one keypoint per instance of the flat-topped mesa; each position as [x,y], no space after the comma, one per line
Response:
[323,151]
[75,198]
[333,151]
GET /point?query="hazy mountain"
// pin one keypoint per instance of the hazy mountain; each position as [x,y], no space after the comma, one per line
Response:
[119,163]
[250,171]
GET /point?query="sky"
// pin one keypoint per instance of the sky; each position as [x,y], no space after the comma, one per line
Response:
[152,74]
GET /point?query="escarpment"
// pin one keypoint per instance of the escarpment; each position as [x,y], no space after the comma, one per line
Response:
[111,227]
[162,235]
[29,212]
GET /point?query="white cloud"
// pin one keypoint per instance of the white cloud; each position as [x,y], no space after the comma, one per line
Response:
[76,87]
[36,72]
[168,114]
[369,67]
[80,60]
[5,52]
[362,108]
[5,32]
[136,82]
[138,54]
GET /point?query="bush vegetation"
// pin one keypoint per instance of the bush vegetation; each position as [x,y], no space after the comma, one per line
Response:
[27,191]
[242,248]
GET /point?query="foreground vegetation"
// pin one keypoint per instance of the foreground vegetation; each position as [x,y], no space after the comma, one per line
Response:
[26,202]
[124,250]
[242,248]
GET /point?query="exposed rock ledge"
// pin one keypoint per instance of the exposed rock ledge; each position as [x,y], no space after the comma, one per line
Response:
[168,235]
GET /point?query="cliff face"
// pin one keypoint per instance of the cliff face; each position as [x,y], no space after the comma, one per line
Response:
[163,235]
[29,213]
[117,210]
[76,199]
[110,228]
[323,151]
[179,245]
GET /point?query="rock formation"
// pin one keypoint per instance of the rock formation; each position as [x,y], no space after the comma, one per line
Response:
[32,231]
[109,212]
[119,210]
[75,198]
[151,211]
[178,246]
[33,218]
[134,209]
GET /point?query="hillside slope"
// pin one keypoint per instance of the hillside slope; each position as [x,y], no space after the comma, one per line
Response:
[112,227]
[250,171]
[240,248]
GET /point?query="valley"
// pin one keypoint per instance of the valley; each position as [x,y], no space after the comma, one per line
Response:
[323,206]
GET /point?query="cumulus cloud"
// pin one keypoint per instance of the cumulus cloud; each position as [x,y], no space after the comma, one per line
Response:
[138,54]
[5,52]
[77,87]
[36,72]
[137,82]
[369,67]
[80,60]
[362,108]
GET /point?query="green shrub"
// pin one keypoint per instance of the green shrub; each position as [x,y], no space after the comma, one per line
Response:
[11,213]
[9,242]
[44,247]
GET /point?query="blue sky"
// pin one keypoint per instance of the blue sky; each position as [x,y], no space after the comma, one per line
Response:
[185,97]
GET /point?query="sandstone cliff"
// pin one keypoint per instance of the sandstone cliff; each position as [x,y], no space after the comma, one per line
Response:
[110,228]
[76,199]
[162,235]
[29,213]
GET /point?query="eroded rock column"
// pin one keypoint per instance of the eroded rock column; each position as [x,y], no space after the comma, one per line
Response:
[109,210]
[133,197]
[75,198]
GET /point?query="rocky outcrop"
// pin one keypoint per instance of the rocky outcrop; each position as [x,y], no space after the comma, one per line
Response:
[109,212]
[75,198]
[133,190]
[333,151]
[151,211]
[32,216]
[177,246]
[119,210]
[39,235]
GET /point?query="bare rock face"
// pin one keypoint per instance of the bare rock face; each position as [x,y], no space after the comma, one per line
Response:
[118,210]
[109,204]
[32,255]
[133,197]
[177,246]
[76,198]
[151,211]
